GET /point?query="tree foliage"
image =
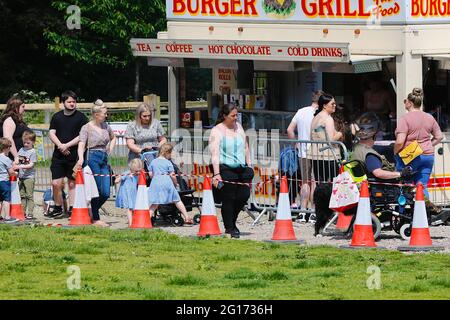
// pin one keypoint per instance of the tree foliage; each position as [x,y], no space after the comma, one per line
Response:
[106,29]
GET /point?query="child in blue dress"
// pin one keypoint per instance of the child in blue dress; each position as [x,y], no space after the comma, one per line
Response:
[162,188]
[126,197]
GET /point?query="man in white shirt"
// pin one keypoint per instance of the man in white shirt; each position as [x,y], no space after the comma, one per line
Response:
[302,124]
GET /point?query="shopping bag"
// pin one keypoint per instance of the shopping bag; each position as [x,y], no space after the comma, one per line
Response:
[412,151]
[345,193]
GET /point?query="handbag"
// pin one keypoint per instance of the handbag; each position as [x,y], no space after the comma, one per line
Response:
[410,152]
[345,193]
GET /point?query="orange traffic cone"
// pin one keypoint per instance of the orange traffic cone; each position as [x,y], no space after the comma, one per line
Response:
[343,221]
[284,228]
[80,212]
[141,213]
[209,226]
[15,210]
[363,233]
[420,235]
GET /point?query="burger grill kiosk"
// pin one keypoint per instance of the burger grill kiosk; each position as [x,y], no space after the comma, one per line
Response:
[271,54]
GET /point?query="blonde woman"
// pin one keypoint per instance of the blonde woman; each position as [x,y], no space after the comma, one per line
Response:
[98,138]
[145,133]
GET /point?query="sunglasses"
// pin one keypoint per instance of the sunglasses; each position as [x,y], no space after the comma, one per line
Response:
[146,115]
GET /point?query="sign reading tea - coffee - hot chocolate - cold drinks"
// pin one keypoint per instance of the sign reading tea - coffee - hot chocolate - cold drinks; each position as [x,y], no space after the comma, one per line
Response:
[313,11]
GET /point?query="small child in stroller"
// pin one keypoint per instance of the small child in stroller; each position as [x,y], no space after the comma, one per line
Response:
[163,189]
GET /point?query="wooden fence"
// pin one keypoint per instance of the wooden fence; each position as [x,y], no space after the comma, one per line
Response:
[162,108]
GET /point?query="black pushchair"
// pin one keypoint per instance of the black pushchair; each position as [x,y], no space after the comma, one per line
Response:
[168,213]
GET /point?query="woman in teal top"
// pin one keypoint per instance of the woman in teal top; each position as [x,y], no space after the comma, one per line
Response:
[231,163]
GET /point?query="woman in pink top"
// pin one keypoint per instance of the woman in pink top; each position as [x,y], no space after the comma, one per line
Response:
[420,126]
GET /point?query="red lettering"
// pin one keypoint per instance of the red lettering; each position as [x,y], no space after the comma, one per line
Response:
[338,8]
[311,9]
[234,5]
[296,51]
[178,48]
[442,9]
[178,6]
[225,7]
[249,5]
[415,8]
[327,4]
[208,4]
[347,11]
[144,47]
[191,9]
[214,49]
[362,8]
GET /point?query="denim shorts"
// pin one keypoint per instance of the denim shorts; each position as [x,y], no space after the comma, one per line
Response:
[5,191]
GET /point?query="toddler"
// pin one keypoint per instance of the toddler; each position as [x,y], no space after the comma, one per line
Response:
[162,187]
[126,196]
[27,160]
[7,168]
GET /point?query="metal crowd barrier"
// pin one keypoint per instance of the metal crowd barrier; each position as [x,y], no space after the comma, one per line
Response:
[192,155]
[439,185]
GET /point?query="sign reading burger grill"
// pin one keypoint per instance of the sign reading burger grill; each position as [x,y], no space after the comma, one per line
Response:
[242,50]
[312,11]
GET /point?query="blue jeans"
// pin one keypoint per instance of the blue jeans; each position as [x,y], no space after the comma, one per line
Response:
[423,164]
[98,162]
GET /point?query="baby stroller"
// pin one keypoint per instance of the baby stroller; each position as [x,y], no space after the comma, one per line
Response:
[168,213]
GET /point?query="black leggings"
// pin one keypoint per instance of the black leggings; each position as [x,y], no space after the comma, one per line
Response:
[234,196]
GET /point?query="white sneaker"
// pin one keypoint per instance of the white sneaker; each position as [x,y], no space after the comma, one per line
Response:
[301,217]
[312,218]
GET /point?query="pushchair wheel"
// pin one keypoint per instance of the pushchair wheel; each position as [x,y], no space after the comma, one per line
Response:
[168,220]
[405,231]
[153,219]
[197,219]
[178,221]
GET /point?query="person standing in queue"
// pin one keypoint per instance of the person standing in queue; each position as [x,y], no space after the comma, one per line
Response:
[65,127]
[13,126]
[97,140]
[144,133]
[302,124]
[417,125]
[231,162]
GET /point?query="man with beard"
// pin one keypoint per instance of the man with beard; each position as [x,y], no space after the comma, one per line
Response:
[65,127]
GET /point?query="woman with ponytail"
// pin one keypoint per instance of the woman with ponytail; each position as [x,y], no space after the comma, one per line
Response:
[230,158]
[420,126]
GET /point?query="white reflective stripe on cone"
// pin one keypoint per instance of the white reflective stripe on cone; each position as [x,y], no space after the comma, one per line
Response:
[420,215]
[208,206]
[141,199]
[80,197]
[363,215]
[284,207]
[15,193]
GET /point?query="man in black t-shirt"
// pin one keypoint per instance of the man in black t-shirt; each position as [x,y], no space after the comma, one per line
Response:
[64,132]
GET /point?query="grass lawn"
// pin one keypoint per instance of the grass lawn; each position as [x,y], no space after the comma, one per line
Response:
[152,264]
